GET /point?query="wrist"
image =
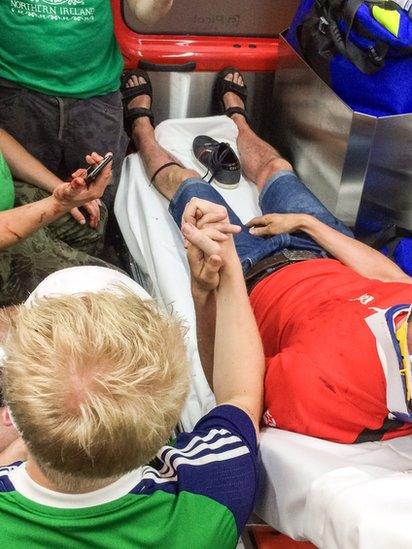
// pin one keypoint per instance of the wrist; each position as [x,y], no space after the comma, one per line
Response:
[51,185]
[201,295]
[59,206]
[306,222]
[231,274]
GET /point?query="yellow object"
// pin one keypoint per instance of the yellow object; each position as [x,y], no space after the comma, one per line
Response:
[390,19]
[401,336]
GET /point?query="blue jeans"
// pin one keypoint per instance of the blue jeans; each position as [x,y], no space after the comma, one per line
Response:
[283,193]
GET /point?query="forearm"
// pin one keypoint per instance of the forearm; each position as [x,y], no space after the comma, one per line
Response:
[19,223]
[356,255]
[150,11]
[24,166]
[205,308]
[239,360]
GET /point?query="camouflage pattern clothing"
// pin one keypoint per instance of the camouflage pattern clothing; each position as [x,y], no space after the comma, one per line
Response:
[64,243]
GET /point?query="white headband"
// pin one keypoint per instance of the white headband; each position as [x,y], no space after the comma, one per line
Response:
[76,280]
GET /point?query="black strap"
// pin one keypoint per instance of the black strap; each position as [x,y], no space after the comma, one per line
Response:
[162,168]
[130,115]
[371,435]
[389,237]
[130,93]
[235,110]
[370,60]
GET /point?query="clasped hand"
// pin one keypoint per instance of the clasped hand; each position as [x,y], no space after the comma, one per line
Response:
[208,236]
[209,241]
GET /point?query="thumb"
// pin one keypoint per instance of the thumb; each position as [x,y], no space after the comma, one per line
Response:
[77,184]
[78,216]
[211,267]
[214,263]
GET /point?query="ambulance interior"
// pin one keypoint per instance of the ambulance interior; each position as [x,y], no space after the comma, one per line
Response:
[313,492]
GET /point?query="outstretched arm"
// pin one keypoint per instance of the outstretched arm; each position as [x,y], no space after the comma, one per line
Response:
[19,223]
[356,255]
[25,167]
[150,11]
[238,354]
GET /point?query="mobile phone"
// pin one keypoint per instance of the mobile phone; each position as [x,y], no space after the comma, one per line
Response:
[93,171]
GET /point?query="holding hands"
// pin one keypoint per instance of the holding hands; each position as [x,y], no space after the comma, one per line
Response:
[209,241]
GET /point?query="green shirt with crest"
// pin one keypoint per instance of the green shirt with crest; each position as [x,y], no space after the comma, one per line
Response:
[60,47]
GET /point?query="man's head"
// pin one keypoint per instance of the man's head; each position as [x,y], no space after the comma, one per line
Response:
[95,382]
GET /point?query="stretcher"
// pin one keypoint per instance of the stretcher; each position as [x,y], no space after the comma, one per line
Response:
[334,495]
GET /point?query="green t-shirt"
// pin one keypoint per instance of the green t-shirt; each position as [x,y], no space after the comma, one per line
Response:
[60,47]
[6,186]
[198,494]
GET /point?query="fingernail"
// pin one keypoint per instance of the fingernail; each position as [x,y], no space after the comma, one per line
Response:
[82,222]
[252,231]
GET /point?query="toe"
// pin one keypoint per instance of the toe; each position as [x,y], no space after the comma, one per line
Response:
[229,77]
[135,80]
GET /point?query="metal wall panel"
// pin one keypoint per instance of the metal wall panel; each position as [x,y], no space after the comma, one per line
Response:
[257,18]
[359,166]
[189,95]
[387,196]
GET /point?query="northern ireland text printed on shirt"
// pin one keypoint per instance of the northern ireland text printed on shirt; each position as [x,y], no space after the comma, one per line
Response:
[54,10]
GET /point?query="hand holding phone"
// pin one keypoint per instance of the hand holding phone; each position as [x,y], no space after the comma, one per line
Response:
[93,171]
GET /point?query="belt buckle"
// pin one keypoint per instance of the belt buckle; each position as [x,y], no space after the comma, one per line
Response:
[299,255]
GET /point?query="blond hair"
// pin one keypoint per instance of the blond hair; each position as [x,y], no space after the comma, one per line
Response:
[95,382]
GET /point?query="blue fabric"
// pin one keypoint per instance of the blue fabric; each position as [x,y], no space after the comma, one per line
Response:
[385,93]
[403,255]
[218,460]
[304,8]
[283,193]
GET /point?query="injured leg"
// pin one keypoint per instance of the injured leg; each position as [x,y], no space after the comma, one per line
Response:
[164,171]
[259,160]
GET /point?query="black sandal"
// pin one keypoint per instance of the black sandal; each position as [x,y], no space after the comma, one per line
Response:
[223,86]
[130,115]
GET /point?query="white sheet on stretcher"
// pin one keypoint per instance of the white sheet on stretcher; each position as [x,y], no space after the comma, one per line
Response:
[337,496]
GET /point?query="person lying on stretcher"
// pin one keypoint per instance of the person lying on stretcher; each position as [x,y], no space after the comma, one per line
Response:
[332,312]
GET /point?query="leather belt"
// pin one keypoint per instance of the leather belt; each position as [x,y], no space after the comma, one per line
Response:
[273,263]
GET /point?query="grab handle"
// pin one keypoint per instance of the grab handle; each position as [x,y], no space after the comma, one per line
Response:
[160,67]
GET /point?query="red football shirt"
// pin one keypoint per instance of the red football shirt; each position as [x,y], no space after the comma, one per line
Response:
[324,377]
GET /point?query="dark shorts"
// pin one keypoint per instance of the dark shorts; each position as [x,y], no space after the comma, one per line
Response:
[283,193]
[60,131]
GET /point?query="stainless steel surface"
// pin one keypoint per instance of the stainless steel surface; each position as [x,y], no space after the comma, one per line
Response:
[220,18]
[387,196]
[359,166]
[189,95]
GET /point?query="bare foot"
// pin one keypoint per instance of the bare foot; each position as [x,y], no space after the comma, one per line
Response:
[230,99]
[141,101]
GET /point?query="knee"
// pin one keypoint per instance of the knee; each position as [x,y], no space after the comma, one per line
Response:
[272,167]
